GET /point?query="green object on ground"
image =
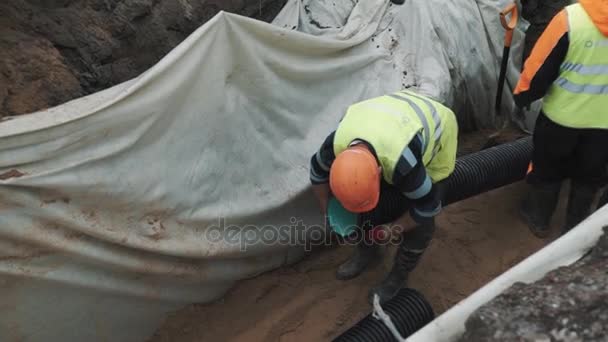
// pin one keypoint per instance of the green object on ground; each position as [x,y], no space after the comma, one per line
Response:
[341,221]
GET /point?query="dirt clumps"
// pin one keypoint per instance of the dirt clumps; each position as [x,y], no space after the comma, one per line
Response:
[56,50]
[11,174]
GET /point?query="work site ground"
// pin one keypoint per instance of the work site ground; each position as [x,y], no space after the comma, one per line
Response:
[476,240]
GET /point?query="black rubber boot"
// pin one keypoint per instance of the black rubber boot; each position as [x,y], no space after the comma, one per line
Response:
[579,204]
[408,255]
[398,2]
[537,209]
[364,254]
[405,261]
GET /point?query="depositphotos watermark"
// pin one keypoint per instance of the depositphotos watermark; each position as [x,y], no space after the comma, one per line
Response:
[297,233]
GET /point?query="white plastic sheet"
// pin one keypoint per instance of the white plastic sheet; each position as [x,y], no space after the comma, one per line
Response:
[108,203]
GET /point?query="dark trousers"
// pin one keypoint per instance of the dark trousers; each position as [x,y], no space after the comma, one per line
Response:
[562,152]
[391,206]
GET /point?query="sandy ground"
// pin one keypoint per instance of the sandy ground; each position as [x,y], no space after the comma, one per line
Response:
[477,240]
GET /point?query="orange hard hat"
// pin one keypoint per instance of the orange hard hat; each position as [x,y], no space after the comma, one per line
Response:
[354,179]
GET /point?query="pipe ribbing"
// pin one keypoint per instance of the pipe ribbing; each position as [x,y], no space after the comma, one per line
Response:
[488,169]
[408,310]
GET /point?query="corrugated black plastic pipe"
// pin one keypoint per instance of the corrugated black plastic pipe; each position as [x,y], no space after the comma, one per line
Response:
[488,169]
[474,174]
[408,310]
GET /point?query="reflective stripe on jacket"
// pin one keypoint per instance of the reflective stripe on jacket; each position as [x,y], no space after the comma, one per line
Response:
[578,98]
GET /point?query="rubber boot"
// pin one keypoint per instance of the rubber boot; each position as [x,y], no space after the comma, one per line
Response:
[537,209]
[364,254]
[408,255]
[579,204]
[398,2]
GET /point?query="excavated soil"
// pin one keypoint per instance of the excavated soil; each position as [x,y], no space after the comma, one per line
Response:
[52,51]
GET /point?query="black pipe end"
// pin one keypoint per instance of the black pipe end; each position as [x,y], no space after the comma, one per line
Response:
[409,311]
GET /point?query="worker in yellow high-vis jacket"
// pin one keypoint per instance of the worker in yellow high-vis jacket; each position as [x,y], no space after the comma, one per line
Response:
[569,68]
[383,163]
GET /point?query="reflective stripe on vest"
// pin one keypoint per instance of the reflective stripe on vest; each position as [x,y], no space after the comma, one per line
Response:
[421,116]
[582,88]
[601,69]
[579,96]
[437,127]
[436,118]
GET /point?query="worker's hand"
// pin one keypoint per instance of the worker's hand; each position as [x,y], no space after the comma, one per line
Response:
[322,192]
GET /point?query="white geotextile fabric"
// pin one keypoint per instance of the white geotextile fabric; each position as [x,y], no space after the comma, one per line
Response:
[107,202]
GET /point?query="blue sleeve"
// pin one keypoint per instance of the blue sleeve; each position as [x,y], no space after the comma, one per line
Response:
[411,178]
